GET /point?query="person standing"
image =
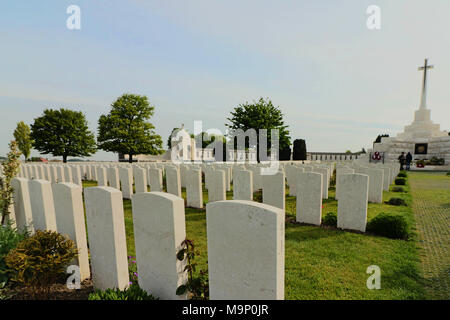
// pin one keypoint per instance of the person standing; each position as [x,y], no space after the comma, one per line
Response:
[402,159]
[408,160]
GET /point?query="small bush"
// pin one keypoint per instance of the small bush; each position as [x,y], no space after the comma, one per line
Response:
[133,292]
[448,174]
[400,182]
[40,260]
[333,179]
[389,225]
[330,219]
[257,196]
[402,174]
[396,202]
[9,238]
[397,189]
[436,161]
[132,270]
[197,286]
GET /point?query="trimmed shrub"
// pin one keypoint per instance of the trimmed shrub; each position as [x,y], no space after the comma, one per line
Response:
[285,154]
[330,219]
[9,238]
[400,182]
[397,189]
[396,202]
[402,174]
[133,292]
[257,196]
[299,150]
[40,260]
[389,225]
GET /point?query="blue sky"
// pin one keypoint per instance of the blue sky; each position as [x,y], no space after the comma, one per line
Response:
[338,84]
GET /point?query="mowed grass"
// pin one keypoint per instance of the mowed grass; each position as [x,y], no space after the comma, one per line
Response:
[326,263]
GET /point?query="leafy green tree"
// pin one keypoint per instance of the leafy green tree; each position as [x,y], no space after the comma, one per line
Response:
[261,114]
[10,168]
[126,130]
[299,150]
[23,139]
[63,133]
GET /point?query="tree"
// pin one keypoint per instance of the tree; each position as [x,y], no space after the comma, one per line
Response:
[23,139]
[126,130]
[63,133]
[9,168]
[259,115]
[285,154]
[299,150]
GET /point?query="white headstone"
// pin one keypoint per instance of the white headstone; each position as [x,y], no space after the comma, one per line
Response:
[242,185]
[325,173]
[159,230]
[42,207]
[339,172]
[309,198]
[217,186]
[60,172]
[67,174]
[126,182]
[274,190]
[352,203]
[140,180]
[245,250]
[70,220]
[375,183]
[155,179]
[76,175]
[107,240]
[22,205]
[101,176]
[194,193]
[173,181]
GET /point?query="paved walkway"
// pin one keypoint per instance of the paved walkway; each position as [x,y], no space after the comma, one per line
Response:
[431,206]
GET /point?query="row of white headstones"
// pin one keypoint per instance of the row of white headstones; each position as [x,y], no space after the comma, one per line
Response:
[245,238]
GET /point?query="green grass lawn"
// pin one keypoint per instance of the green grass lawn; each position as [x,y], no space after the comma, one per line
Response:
[325,263]
[431,206]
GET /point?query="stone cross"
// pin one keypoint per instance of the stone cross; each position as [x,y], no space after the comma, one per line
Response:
[423,101]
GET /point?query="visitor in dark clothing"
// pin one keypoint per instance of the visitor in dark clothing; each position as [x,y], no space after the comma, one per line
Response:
[408,160]
[402,160]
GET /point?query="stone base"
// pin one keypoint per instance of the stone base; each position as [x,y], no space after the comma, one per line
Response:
[431,168]
[438,147]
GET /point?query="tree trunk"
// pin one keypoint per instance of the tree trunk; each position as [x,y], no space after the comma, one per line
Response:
[130,158]
[257,147]
[64,159]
